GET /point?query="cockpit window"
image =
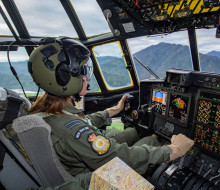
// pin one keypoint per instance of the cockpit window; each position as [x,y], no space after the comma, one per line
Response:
[209,50]
[94,87]
[19,62]
[91,17]
[49,15]
[112,66]
[160,53]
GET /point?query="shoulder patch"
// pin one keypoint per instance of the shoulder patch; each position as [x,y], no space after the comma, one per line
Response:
[80,131]
[73,123]
[99,143]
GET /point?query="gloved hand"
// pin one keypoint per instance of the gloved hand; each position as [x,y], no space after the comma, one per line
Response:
[180,144]
[118,108]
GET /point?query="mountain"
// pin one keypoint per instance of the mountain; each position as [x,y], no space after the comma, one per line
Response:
[20,67]
[159,58]
[8,80]
[114,72]
[214,53]
[164,56]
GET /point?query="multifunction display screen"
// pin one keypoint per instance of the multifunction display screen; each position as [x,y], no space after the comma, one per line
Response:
[178,107]
[159,101]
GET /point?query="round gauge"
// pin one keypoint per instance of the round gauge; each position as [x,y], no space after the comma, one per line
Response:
[134,114]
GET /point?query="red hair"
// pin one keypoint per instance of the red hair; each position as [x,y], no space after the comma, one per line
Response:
[49,104]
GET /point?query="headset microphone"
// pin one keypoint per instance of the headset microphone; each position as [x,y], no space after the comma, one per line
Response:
[88,87]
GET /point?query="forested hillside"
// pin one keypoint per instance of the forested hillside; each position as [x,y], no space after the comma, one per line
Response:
[158,57]
[8,80]
[164,56]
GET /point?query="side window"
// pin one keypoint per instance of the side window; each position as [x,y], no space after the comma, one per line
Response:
[112,66]
[18,60]
[94,87]
[209,50]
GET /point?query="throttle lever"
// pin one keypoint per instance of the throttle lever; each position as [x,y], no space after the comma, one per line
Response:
[128,100]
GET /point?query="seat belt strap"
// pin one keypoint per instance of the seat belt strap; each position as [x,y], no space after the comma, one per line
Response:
[12,110]
[2,155]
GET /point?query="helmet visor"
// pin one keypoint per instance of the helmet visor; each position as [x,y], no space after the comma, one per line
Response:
[87,69]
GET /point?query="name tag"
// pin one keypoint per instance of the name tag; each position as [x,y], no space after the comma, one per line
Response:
[80,131]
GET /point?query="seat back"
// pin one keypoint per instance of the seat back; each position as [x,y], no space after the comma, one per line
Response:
[22,175]
[12,163]
[34,134]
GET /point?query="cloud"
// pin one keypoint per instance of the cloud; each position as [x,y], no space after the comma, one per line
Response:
[48,18]
[4,30]
[45,18]
[137,44]
[205,39]
[110,49]
[20,55]
[91,17]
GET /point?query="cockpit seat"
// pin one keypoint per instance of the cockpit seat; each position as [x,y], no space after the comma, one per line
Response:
[34,135]
[16,172]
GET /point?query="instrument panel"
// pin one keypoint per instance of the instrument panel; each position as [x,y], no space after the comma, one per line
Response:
[184,104]
[184,107]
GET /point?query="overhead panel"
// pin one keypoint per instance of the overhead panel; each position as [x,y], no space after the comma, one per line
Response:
[148,17]
[152,9]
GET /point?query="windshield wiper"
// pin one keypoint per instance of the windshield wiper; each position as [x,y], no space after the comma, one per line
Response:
[148,68]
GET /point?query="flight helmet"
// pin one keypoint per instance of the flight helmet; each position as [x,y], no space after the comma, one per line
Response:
[57,66]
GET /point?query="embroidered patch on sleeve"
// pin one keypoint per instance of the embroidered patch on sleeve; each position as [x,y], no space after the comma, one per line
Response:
[73,123]
[99,143]
[80,131]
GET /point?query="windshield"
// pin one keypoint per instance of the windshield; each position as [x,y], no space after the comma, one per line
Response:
[163,52]
[50,15]
[48,18]
[160,53]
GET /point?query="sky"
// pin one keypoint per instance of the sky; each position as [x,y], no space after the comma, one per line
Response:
[53,20]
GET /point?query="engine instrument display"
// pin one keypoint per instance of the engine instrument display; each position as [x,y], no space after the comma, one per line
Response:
[209,110]
[178,107]
[207,138]
[159,101]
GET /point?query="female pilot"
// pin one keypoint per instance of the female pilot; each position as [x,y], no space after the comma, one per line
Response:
[59,68]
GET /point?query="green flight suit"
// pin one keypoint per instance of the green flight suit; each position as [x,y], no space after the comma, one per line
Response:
[82,148]
[69,185]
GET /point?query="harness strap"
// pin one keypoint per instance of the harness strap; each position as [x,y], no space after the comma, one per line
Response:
[12,110]
[2,155]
